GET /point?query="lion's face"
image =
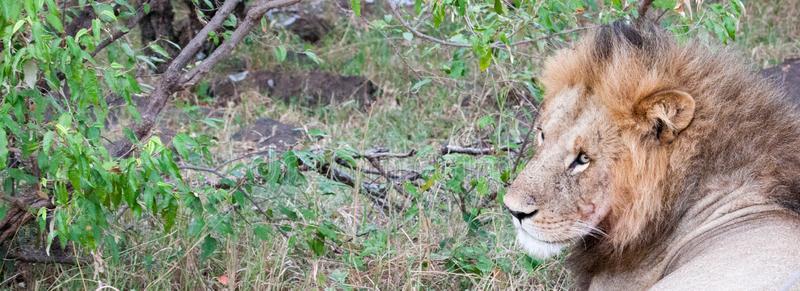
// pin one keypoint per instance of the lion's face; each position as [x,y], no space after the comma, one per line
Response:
[608,127]
[564,192]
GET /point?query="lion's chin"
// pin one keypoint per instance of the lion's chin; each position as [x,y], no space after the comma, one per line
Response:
[536,248]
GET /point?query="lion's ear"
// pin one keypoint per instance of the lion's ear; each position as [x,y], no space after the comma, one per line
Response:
[666,113]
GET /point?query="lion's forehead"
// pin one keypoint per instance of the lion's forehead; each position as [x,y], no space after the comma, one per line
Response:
[570,115]
[560,107]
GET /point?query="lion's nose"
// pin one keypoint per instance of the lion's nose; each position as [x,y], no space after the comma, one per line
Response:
[522,215]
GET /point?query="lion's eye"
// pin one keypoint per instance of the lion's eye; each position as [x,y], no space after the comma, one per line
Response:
[582,159]
[580,163]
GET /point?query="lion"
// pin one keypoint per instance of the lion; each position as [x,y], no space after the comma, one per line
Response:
[661,165]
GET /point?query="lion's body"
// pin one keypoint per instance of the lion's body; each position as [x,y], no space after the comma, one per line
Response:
[702,186]
[752,249]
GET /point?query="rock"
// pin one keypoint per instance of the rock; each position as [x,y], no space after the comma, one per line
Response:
[270,133]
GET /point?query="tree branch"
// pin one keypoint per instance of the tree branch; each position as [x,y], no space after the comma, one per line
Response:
[250,20]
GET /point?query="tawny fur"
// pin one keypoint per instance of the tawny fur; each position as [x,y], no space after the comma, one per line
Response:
[741,124]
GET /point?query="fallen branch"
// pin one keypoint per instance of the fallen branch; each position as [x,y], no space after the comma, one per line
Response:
[382,153]
[473,151]
[20,213]
[375,192]
[43,258]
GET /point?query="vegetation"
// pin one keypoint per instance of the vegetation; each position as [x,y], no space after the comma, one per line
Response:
[123,163]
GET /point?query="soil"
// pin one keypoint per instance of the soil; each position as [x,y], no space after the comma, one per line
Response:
[310,28]
[314,88]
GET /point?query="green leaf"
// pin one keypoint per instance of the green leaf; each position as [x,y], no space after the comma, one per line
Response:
[196,226]
[317,245]
[54,21]
[262,232]
[498,6]
[169,213]
[182,143]
[3,148]
[280,53]
[438,14]
[328,230]
[356,6]
[208,247]
[664,4]
[159,50]
[291,214]
[42,215]
[408,36]
[105,12]
[485,121]
[17,26]
[418,85]
[314,58]
[316,132]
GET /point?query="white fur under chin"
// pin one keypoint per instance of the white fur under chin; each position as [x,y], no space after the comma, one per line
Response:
[537,248]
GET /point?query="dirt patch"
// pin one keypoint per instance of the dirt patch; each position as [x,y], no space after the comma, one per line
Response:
[313,88]
[310,28]
[786,75]
[270,133]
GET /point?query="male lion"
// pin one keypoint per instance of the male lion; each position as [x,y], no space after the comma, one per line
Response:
[662,165]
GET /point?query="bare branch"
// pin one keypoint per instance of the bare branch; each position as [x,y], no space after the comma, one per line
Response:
[375,192]
[419,34]
[43,258]
[253,15]
[382,153]
[473,151]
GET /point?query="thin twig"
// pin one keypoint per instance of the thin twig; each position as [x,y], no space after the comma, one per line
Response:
[525,142]
[202,169]
[239,158]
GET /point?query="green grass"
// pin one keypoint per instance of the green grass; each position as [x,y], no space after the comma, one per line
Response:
[430,246]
